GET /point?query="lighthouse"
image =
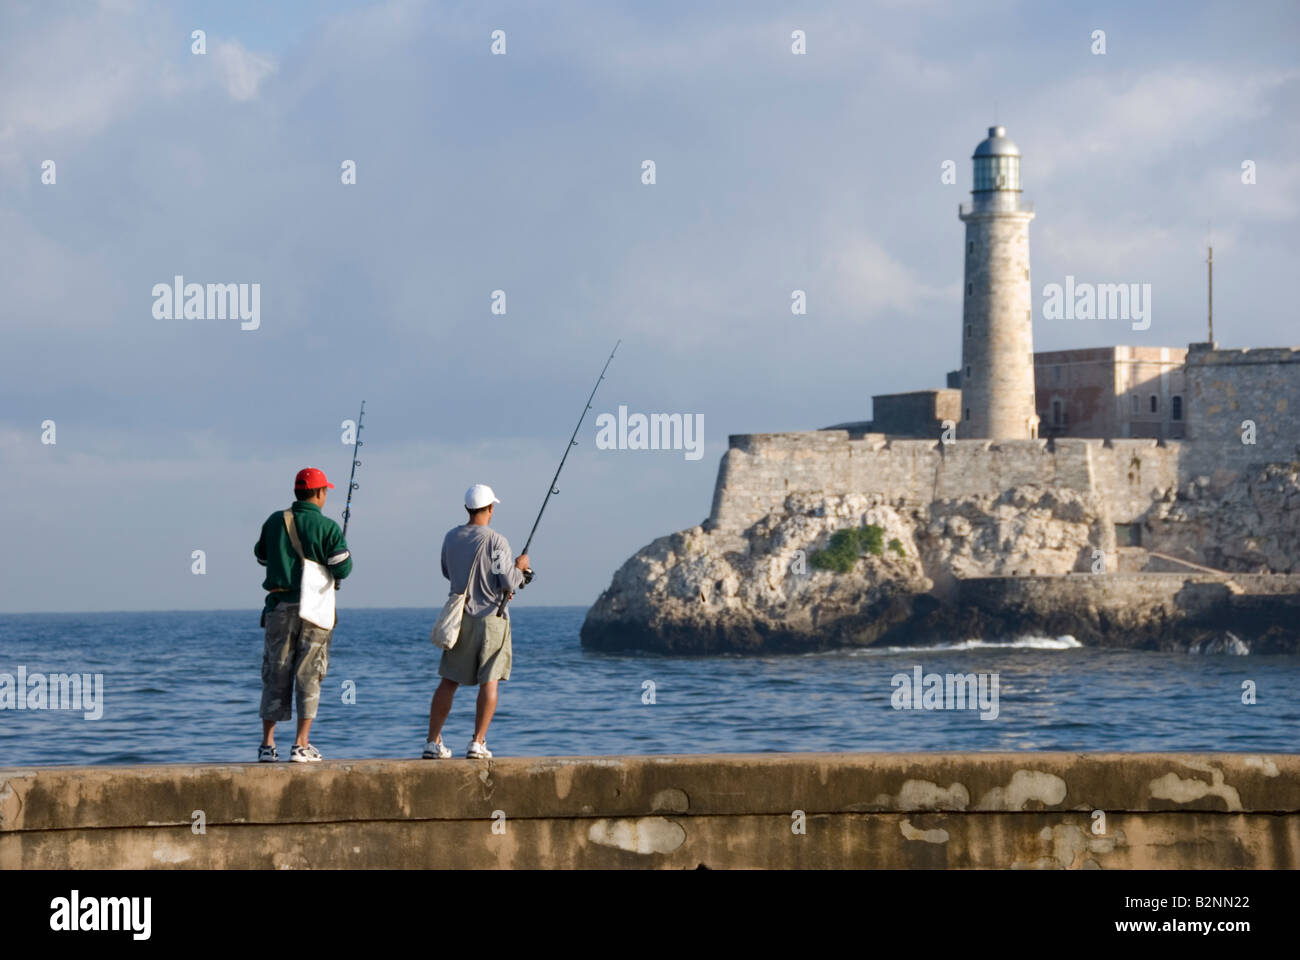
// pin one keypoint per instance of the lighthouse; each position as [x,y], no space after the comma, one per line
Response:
[997,344]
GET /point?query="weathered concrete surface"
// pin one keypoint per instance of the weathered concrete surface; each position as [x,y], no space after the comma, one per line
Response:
[858,810]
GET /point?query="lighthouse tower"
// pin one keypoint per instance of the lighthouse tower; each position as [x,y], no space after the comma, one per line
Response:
[997,344]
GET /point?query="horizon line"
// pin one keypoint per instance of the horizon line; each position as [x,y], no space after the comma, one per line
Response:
[59,613]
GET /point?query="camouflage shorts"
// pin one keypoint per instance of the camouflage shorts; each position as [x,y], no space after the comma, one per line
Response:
[295,651]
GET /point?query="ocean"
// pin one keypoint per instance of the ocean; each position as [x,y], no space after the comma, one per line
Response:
[184,688]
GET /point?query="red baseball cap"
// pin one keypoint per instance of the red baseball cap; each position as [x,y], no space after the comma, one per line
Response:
[309,478]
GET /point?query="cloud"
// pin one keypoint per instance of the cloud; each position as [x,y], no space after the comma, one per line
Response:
[1274,196]
[68,81]
[866,276]
[1095,249]
[776,173]
[1130,122]
[241,71]
[67,76]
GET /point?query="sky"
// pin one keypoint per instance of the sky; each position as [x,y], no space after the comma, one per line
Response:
[523,172]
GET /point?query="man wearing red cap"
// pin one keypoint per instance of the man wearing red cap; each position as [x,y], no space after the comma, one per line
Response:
[304,554]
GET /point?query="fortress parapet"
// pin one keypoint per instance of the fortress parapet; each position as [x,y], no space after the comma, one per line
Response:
[1239,396]
[760,470]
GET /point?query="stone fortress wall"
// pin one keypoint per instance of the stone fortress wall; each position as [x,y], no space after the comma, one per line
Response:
[1224,388]
[760,470]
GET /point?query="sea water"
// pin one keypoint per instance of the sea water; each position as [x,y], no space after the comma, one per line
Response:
[185,688]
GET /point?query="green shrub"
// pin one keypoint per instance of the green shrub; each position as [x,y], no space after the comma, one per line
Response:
[871,540]
[847,545]
[897,547]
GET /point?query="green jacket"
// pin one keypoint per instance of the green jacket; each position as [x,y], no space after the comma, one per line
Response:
[322,542]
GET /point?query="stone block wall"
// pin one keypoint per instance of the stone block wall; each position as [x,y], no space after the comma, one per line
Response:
[918,414]
[759,471]
[1227,387]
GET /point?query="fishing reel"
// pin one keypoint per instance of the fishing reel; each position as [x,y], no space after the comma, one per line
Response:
[528,577]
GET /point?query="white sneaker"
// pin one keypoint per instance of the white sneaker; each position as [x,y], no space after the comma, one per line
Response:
[307,754]
[477,751]
[434,750]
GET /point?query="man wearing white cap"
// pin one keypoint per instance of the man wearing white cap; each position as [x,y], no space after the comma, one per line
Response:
[477,561]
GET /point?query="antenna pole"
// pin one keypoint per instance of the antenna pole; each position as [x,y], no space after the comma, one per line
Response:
[1210,265]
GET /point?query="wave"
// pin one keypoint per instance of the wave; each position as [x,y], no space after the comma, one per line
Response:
[1066,642]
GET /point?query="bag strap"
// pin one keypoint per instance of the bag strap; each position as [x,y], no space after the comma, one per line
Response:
[481,547]
[292,527]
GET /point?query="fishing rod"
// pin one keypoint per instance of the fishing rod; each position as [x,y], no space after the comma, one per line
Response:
[552,489]
[352,477]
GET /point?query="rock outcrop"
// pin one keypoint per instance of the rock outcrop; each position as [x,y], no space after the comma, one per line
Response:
[703,591]
[707,590]
[1250,525]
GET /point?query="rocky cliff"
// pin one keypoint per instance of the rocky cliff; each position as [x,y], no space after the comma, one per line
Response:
[1248,525]
[707,590]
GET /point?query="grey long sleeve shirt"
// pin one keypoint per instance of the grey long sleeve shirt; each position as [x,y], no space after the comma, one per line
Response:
[495,576]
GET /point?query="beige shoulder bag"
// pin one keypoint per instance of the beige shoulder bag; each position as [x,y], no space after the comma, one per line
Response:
[446,629]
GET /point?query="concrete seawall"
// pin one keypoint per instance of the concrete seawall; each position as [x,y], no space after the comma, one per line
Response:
[928,810]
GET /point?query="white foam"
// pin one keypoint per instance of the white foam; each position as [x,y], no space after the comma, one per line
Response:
[1066,642]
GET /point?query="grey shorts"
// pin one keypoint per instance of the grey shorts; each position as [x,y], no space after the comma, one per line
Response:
[482,651]
[296,654]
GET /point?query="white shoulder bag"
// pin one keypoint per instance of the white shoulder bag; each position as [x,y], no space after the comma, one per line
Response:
[316,599]
[446,629]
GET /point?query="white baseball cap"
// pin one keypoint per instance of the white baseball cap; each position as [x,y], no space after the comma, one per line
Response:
[479,496]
